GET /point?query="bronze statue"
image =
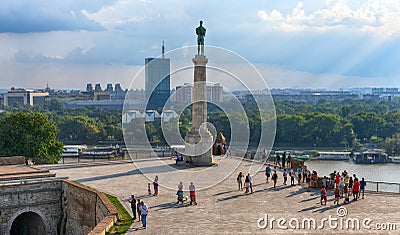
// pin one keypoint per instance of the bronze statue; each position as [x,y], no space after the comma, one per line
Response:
[201,33]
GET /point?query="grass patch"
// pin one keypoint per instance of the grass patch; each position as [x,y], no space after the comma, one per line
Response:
[123,224]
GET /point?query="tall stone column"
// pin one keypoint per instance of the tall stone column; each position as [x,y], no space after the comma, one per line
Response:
[199,140]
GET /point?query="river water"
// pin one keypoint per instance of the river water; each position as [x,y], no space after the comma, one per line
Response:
[373,172]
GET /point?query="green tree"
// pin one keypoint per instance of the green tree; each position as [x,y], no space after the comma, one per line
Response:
[392,145]
[367,124]
[31,135]
[80,129]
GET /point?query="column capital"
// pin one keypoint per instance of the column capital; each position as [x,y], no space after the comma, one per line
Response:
[200,60]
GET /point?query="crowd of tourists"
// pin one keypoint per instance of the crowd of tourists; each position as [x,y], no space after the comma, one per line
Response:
[343,184]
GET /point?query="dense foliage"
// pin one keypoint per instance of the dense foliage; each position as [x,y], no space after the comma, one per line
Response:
[31,135]
[346,124]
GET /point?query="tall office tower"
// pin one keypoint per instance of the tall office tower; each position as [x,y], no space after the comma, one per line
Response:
[118,88]
[109,88]
[157,81]
[89,87]
[97,87]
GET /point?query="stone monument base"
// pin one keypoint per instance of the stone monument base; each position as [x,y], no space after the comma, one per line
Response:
[198,148]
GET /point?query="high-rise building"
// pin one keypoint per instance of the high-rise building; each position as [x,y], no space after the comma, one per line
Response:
[184,93]
[89,87]
[157,81]
[98,87]
[109,88]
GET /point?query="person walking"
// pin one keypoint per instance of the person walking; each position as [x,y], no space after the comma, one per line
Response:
[274,178]
[268,172]
[239,180]
[337,196]
[278,160]
[351,182]
[299,171]
[247,184]
[291,177]
[341,186]
[284,174]
[155,185]
[192,190]
[132,201]
[149,189]
[332,179]
[284,160]
[251,182]
[362,187]
[144,212]
[337,180]
[323,195]
[356,189]
[346,194]
[139,211]
[308,181]
[289,160]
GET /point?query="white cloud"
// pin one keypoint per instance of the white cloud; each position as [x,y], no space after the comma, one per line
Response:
[121,12]
[378,16]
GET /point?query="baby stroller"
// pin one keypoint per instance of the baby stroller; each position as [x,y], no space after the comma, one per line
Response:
[180,196]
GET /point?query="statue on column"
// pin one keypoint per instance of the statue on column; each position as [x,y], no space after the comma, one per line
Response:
[201,33]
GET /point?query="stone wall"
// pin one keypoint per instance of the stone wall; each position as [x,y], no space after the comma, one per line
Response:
[12,160]
[40,198]
[84,209]
[65,207]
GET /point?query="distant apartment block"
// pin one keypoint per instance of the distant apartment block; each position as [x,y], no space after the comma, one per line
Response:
[112,98]
[183,94]
[20,97]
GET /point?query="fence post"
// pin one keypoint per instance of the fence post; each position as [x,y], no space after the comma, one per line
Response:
[377,186]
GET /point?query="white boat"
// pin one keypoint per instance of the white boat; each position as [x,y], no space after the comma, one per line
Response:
[394,159]
[73,150]
[335,156]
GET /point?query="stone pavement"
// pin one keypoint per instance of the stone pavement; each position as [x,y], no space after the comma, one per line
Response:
[222,209]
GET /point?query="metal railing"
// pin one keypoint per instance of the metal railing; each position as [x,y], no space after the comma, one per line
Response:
[127,156]
[381,186]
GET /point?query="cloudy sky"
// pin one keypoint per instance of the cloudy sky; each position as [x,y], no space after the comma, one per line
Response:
[300,44]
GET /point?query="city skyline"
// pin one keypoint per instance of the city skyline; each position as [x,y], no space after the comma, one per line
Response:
[307,44]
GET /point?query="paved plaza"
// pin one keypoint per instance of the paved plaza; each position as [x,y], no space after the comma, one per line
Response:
[222,209]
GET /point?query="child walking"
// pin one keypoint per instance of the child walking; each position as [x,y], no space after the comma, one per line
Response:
[323,195]
[337,196]
[148,189]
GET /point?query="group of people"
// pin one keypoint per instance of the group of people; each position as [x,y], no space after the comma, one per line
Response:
[344,186]
[192,193]
[140,208]
[286,160]
[285,174]
[248,182]
[155,187]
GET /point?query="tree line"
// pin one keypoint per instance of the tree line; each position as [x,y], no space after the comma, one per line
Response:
[348,124]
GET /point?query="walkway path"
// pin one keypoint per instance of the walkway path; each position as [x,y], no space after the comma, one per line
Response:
[223,209]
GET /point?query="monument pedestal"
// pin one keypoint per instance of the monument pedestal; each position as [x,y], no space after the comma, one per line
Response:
[199,141]
[198,147]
